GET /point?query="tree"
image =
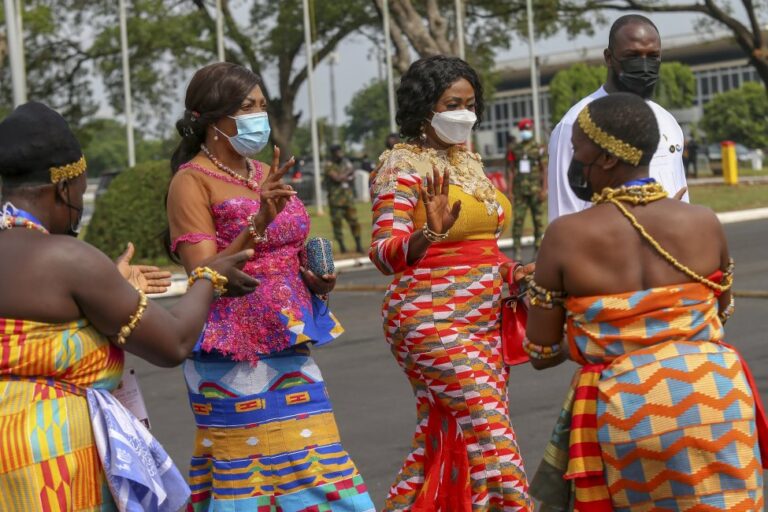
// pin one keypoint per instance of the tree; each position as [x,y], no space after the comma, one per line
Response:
[106,149]
[368,113]
[429,28]
[740,115]
[571,85]
[677,86]
[168,39]
[749,36]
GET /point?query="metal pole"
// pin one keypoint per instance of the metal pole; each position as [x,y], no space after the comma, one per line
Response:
[534,75]
[20,36]
[460,28]
[127,86]
[390,78]
[332,60]
[15,52]
[219,31]
[312,119]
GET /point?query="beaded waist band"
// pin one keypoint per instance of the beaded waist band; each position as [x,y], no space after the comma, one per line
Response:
[465,252]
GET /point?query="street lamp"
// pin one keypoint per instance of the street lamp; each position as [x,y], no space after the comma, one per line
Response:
[219,31]
[534,74]
[127,85]
[333,59]
[388,56]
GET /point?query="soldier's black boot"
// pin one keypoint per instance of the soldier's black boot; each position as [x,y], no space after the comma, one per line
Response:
[342,248]
[358,245]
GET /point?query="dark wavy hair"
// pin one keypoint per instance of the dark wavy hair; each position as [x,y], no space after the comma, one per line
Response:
[628,118]
[216,90]
[423,84]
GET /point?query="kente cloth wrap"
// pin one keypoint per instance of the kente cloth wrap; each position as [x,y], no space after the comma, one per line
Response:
[663,415]
[267,439]
[281,312]
[442,321]
[50,448]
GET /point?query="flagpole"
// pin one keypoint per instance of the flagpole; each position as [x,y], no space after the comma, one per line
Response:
[312,118]
[534,74]
[219,31]
[127,86]
[390,78]
[16,51]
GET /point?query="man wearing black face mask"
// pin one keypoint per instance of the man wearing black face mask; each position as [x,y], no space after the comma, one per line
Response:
[633,59]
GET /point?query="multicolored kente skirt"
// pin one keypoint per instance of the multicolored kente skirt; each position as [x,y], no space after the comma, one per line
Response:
[267,439]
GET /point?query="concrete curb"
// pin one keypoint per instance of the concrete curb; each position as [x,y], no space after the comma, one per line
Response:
[179,281]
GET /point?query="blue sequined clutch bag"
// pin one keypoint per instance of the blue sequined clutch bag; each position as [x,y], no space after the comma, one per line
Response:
[319,254]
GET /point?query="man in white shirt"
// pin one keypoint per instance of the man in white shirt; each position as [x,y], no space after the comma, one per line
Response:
[633,57]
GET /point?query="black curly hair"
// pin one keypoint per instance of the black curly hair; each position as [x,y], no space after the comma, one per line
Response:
[628,118]
[423,84]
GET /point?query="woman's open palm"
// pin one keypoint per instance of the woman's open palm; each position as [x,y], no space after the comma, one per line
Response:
[440,214]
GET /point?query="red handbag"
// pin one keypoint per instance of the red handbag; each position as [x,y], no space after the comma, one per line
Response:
[514,318]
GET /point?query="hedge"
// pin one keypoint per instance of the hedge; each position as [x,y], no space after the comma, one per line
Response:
[133,210]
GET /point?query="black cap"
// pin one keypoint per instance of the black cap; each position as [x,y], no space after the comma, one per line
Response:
[335,147]
[34,138]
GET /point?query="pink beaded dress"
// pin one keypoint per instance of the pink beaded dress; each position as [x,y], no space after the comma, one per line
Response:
[252,374]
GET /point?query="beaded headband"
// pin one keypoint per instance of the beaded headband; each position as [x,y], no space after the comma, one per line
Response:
[608,142]
[69,171]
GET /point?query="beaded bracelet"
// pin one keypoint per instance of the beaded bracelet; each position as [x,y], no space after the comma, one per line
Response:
[546,299]
[433,236]
[535,351]
[218,281]
[725,314]
[258,238]
[134,320]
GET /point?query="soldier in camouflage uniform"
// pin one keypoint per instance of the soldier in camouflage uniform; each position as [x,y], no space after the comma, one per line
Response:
[339,174]
[529,185]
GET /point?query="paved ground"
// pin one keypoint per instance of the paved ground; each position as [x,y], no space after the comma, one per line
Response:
[373,401]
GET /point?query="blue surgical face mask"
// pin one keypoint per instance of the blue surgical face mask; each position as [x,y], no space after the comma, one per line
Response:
[526,135]
[252,133]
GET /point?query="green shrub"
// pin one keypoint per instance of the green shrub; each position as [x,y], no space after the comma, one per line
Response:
[133,210]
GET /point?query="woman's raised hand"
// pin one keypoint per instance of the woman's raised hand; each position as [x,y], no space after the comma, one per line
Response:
[274,193]
[440,214]
[238,282]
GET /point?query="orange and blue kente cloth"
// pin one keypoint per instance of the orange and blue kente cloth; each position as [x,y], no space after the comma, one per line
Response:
[48,456]
[663,415]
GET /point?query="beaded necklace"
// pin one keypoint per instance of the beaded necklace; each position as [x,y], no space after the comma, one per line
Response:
[249,182]
[13,217]
[644,194]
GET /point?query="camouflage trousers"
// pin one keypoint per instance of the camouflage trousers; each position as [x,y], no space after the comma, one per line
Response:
[342,208]
[523,203]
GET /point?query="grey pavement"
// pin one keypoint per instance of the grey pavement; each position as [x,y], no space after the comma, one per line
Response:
[372,398]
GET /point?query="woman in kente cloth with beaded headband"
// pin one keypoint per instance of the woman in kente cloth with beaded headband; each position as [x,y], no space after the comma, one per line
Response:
[67,314]
[266,434]
[436,221]
[663,414]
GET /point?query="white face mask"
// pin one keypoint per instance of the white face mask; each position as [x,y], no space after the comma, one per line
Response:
[454,126]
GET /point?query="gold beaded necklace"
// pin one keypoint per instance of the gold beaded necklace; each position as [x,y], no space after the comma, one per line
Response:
[249,182]
[644,194]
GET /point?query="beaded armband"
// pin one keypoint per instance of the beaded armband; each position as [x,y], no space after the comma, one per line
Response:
[728,275]
[544,298]
[218,281]
[536,351]
[258,238]
[725,314]
[433,236]
[128,328]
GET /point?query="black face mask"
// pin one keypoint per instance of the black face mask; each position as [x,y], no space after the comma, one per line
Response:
[639,75]
[74,227]
[578,181]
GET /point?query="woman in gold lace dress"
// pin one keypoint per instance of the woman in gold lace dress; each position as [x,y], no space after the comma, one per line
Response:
[436,221]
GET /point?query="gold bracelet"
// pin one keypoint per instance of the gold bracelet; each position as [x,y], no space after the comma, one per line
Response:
[258,238]
[433,236]
[128,328]
[218,281]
